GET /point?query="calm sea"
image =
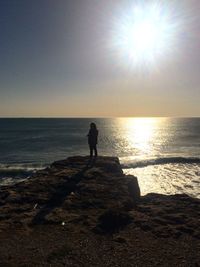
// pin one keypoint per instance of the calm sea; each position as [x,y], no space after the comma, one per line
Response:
[164,153]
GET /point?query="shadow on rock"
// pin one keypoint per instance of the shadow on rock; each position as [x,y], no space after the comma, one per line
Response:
[111,221]
[60,195]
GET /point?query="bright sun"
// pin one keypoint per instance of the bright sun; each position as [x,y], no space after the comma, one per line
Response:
[145,33]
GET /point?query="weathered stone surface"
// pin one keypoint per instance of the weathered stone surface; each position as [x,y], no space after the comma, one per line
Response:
[88,213]
[74,185]
[97,195]
[112,221]
[133,188]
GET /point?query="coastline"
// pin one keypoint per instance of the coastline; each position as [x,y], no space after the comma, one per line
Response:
[77,213]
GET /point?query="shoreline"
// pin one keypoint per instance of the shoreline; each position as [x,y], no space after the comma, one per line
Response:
[11,174]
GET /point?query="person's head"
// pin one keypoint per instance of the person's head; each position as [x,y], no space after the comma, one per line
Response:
[93,126]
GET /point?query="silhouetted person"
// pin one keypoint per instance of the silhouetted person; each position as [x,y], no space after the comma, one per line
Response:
[93,139]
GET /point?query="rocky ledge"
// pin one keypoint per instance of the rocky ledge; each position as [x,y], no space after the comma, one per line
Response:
[82,212]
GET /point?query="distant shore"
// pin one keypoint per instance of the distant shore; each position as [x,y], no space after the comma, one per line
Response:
[82,212]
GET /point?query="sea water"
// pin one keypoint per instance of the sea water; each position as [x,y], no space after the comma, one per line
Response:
[164,153]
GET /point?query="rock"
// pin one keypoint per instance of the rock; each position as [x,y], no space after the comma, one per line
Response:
[185,229]
[133,187]
[75,200]
[76,185]
[113,220]
[119,239]
[95,194]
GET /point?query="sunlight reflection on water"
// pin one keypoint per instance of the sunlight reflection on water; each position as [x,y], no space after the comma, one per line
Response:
[168,179]
[140,134]
[149,138]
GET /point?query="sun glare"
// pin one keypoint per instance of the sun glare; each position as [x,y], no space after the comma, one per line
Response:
[140,132]
[145,33]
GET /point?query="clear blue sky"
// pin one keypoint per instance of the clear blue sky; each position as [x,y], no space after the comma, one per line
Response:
[57,61]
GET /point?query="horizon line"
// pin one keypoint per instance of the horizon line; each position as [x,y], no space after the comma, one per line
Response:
[98,117]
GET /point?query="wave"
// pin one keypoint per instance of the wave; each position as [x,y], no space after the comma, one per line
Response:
[160,161]
[18,170]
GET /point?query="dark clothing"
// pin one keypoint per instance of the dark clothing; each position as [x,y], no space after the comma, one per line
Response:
[92,141]
[92,137]
[93,148]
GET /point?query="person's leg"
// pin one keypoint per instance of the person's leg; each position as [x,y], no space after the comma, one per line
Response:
[95,150]
[91,151]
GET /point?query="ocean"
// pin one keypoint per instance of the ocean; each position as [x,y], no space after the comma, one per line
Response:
[164,153]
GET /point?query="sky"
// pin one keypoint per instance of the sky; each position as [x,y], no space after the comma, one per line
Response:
[64,58]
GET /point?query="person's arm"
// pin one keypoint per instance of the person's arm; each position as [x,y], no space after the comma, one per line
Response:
[97,136]
[88,134]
